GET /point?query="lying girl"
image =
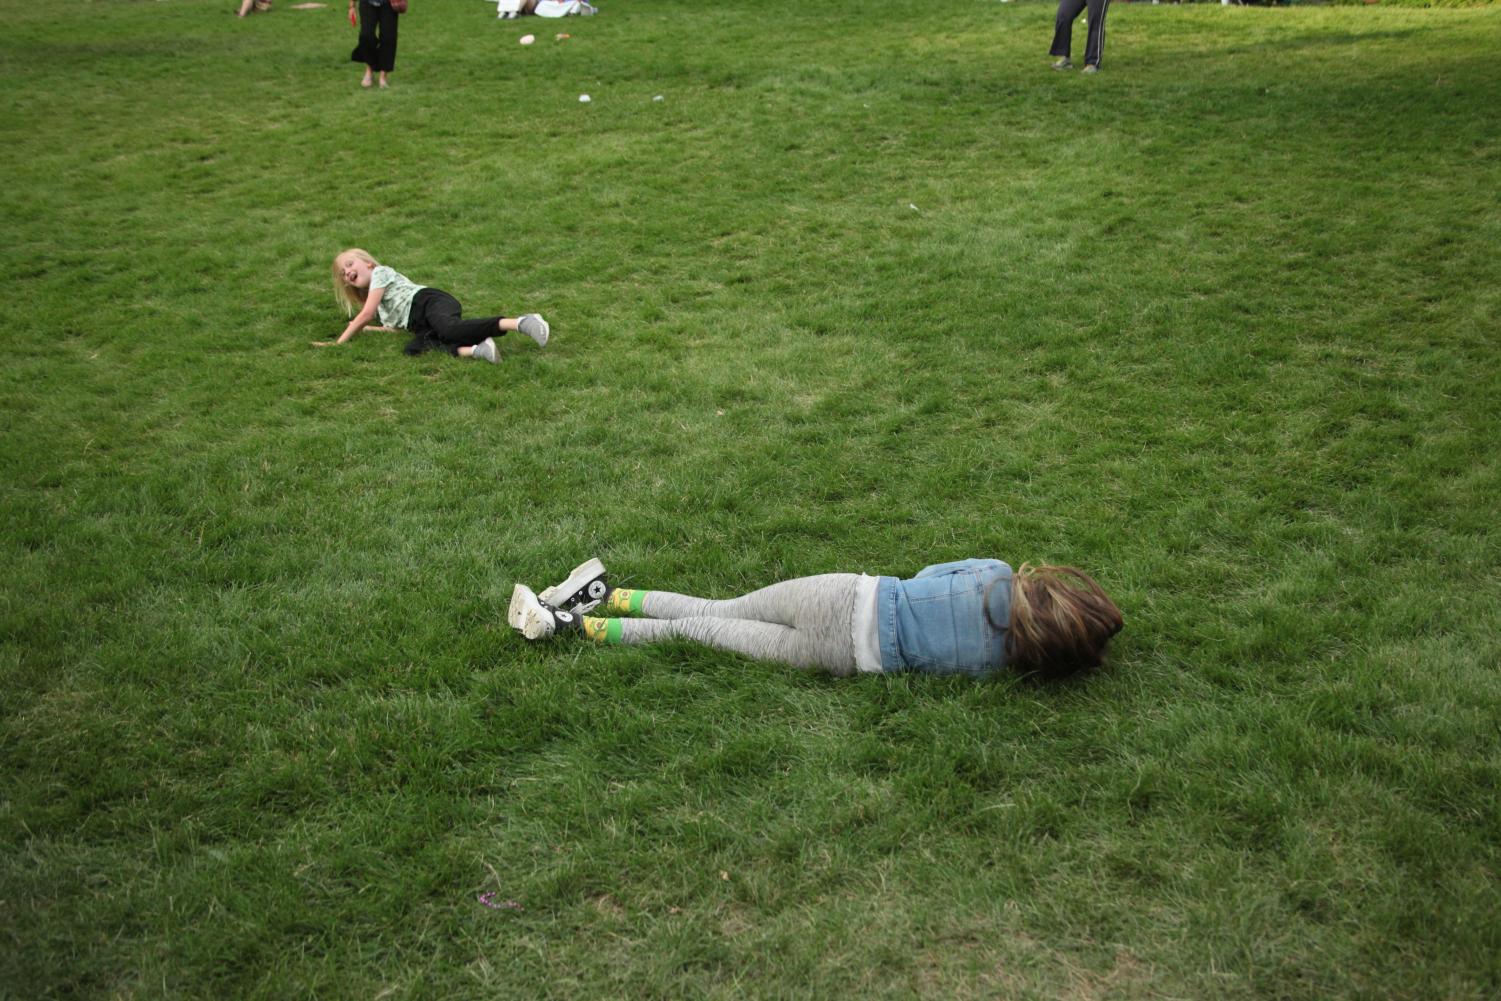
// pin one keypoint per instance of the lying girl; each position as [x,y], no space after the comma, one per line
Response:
[973,617]
[433,316]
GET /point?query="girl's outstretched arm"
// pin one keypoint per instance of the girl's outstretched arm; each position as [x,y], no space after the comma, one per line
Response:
[379,330]
[361,319]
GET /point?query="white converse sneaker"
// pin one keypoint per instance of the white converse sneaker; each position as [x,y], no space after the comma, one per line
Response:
[485,351]
[533,326]
[583,589]
[536,620]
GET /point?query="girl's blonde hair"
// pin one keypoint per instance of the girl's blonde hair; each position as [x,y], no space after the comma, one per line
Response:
[1060,621]
[346,295]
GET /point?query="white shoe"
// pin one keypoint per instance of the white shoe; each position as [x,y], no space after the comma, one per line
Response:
[535,620]
[533,326]
[581,591]
[485,351]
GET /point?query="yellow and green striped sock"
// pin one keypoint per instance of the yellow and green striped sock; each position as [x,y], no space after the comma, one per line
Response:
[601,630]
[625,599]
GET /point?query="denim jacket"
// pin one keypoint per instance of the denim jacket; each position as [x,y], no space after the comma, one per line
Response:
[936,623]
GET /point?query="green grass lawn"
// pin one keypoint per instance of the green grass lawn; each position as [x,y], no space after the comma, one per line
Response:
[869,288]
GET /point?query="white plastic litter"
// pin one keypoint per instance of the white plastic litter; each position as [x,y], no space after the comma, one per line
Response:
[659,97]
[527,39]
[583,98]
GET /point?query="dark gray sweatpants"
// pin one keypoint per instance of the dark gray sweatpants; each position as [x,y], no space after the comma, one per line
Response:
[1063,29]
[803,622]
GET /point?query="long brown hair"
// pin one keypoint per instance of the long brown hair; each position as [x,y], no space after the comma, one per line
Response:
[1060,621]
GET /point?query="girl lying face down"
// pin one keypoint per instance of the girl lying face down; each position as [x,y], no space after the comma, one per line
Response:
[973,617]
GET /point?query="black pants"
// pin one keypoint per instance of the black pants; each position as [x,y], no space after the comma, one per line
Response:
[1063,31]
[435,322]
[377,49]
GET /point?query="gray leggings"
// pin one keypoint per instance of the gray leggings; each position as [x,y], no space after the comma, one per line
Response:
[803,622]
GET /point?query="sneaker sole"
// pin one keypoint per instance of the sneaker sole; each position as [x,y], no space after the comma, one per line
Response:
[546,333]
[582,574]
[528,615]
[518,606]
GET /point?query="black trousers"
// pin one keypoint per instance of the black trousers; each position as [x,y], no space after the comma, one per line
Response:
[435,322]
[1063,30]
[377,48]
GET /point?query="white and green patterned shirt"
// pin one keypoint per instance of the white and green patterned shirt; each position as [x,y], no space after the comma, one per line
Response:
[396,302]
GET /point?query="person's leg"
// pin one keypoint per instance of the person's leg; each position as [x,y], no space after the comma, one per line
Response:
[1063,27]
[804,622]
[369,17]
[1094,47]
[786,603]
[245,7]
[387,52]
[756,640]
[442,318]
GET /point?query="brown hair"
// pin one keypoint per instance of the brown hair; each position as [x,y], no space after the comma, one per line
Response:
[1060,621]
[346,295]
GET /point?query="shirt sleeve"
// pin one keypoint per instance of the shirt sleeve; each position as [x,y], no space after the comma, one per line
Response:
[382,277]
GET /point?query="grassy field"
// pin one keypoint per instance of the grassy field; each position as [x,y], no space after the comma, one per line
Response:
[869,288]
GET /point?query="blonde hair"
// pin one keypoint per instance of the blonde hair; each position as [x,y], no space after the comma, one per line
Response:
[1060,621]
[346,295]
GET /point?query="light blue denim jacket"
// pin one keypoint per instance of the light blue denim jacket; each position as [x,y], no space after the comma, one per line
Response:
[935,622]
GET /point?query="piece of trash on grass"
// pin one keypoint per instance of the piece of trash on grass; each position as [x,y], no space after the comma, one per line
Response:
[560,36]
[583,98]
[659,97]
[527,39]
[914,208]
[488,899]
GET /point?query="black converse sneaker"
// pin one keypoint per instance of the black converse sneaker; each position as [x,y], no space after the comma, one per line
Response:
[535,619]
[582,591]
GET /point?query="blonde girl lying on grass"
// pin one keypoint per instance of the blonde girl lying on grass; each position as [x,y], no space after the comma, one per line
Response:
[367,289]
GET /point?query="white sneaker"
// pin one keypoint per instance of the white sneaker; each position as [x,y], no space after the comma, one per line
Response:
[535,620]
[581,591]
[485,351]
[533,326]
